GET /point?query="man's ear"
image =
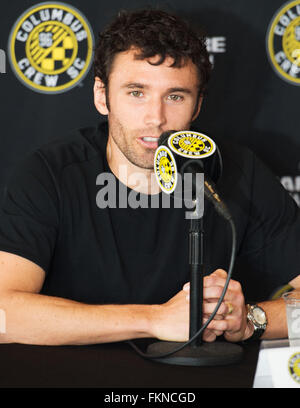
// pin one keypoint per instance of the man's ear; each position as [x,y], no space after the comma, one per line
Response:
[100,97]
[198,107]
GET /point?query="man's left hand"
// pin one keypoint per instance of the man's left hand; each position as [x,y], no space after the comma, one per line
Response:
[234,320]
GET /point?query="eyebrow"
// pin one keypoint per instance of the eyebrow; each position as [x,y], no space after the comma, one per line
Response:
[138,85]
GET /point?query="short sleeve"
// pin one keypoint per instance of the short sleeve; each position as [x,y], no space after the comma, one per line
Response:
[29,212]
[271,245]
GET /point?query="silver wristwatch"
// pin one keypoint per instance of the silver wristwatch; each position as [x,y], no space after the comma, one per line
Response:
[257,316]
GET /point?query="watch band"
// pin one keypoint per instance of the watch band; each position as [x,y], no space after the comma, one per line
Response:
[256,335]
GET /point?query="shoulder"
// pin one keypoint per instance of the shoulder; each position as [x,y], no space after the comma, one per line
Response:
[42,169]
[242,165]
[80,145]
[251,186]
[237,158]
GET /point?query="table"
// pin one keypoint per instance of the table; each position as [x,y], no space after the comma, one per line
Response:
[114,365]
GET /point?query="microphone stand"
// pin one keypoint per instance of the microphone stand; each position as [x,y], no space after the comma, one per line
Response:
[196,264]
[197,353]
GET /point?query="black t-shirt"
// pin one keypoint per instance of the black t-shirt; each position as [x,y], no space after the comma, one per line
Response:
[50,214]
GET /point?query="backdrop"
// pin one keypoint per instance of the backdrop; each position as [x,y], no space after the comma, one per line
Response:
[253,98]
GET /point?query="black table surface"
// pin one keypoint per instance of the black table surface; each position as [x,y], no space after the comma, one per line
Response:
[114,365]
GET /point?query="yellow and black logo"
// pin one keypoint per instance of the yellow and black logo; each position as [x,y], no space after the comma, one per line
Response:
[294,367]
[193,145]
[283,42]
[51,47]
[165,169]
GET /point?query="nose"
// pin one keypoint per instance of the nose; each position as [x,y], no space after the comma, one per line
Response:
[155,115]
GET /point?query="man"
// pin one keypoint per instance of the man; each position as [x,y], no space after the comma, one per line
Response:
[74,273]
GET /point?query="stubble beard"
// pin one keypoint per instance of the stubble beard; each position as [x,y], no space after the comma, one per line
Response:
[129,147]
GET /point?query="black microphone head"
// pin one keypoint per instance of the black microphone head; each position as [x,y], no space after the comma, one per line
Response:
[192,166]
[163,138]
[212,166]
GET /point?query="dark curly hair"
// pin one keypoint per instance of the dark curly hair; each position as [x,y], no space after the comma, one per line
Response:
[152,32]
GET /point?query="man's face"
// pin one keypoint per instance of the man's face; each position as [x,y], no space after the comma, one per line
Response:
[146,100]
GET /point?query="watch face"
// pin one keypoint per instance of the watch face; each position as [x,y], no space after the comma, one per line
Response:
[259,315]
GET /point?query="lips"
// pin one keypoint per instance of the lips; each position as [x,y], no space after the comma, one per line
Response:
[150,142]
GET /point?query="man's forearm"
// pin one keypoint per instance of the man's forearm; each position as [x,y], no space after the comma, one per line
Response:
[276,315]
[45,320]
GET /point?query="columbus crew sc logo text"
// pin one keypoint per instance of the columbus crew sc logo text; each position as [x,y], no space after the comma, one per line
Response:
[50,47]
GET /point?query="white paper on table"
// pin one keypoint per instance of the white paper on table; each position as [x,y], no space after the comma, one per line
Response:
[278,367]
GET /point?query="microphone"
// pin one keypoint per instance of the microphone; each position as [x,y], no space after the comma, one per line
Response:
[194,153]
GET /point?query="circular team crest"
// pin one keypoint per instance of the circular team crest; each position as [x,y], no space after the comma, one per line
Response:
[193,145]
[294,367]
[165,169]
[283,42]
[51,47]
